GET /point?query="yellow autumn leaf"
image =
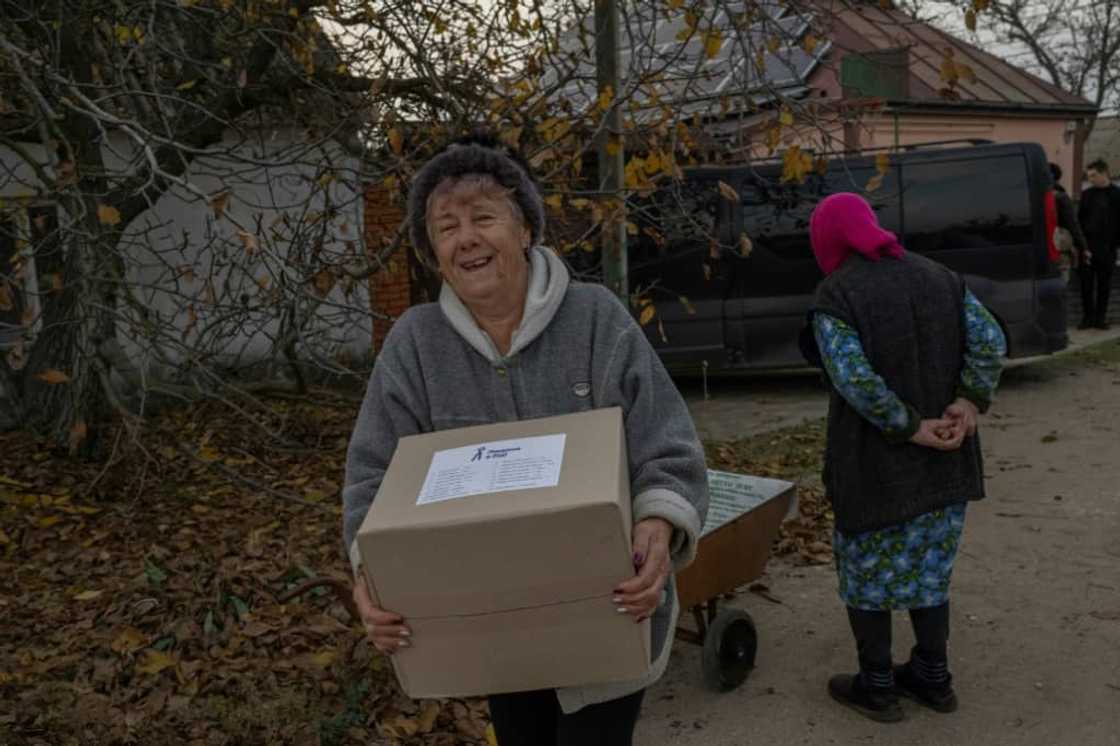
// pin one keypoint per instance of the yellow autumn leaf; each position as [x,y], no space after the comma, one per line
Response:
[970,19]
[186,85]
[78,434]
[949,70]
[746,246]
[713,42]
[647,315]
[555,201]
[688,307]
[674,4]
[88,595]
[774,44]
[128,640]
[396,141]
[48,521]
[810,43]
[795,164]
[491,736]
[773,138]
[882,163]
[6,302]
[108,215]
[249,241]
[218,203]
[728,192]
[428,715]
[874,183]
[154,661]
[52,376]
[786,118]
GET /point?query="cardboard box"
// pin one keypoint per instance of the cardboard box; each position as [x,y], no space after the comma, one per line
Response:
[501,546]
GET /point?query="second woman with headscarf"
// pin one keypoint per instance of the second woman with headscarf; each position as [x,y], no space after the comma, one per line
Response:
[912,358]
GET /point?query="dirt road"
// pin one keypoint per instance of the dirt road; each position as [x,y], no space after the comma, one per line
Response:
[1036,595]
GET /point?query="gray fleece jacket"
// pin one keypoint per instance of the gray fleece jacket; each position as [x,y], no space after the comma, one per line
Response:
[577,348]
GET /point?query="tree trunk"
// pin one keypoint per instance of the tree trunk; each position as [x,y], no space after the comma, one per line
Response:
[74,414]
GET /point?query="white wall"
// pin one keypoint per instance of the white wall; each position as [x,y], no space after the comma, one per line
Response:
[268,175]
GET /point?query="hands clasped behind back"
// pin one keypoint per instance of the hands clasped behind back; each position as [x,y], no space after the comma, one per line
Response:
[948,432]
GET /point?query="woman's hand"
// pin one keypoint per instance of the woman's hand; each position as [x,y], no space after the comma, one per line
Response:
[942,434]
[640,595]
[386,630]
[964,413]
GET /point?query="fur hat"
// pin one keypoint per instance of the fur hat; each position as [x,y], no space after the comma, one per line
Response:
[473,155]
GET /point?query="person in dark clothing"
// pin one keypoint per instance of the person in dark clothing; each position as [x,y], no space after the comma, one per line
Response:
[1072,247]
[912,358]
[1099,215]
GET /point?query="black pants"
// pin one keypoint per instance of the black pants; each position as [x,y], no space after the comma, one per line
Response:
[872,630]
[535,719]
[1096,277]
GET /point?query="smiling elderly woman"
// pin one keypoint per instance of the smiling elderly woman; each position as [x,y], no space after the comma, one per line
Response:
[512,337]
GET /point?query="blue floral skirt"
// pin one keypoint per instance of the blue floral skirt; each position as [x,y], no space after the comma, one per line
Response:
[907,566]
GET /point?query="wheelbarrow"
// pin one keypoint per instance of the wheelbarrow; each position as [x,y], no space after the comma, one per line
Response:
[744,515]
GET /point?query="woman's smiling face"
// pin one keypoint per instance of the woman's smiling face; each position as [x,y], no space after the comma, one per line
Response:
[480,239]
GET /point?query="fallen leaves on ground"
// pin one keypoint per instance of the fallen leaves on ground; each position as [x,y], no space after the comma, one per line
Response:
[140,602]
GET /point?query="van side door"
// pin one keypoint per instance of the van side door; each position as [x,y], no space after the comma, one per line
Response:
[675,262]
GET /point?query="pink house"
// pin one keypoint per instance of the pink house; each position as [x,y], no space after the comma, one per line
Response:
[931,86]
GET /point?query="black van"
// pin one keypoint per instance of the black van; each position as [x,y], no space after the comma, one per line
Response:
[731,302]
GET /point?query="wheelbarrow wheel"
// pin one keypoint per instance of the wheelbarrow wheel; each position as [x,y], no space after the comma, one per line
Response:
[729,650]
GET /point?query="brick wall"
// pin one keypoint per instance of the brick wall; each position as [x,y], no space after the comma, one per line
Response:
[390,289]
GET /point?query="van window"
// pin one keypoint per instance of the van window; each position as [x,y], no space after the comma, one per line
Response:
[943,212]
[776,216]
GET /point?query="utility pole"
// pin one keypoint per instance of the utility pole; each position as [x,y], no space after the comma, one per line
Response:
[610,149]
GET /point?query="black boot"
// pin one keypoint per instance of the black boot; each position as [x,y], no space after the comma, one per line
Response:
[877,703]
[939,697]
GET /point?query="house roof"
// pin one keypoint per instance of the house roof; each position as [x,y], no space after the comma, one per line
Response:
[865,26]
[689,79]
[694,83]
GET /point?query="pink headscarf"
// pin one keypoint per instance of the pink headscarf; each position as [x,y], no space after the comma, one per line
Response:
[843,223]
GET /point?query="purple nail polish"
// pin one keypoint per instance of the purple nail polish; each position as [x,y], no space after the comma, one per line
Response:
[638,558]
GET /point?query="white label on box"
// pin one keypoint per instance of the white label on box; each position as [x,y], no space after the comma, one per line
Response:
[499,466]
[732,495]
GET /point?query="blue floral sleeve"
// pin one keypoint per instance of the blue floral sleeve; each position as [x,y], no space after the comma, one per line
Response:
[985,347]
[854,379]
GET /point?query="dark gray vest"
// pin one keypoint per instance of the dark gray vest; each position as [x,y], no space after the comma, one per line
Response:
[909,315]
